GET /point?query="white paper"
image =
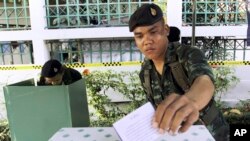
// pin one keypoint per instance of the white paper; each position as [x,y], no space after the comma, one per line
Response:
[194,133]
[136,126]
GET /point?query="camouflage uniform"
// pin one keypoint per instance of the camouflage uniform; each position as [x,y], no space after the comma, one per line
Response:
[194,64]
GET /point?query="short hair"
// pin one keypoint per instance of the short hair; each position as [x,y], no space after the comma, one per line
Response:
[174,34]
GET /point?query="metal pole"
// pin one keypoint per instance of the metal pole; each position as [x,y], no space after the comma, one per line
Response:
[193,22]
[248,21]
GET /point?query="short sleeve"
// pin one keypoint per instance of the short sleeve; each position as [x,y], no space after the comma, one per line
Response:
[196,64]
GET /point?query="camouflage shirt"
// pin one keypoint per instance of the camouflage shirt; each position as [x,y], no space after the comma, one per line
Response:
[193,62]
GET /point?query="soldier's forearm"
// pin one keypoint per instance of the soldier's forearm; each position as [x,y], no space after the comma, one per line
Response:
[201,91]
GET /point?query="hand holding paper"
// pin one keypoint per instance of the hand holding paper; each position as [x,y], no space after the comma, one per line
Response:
[175,114]
[136,126]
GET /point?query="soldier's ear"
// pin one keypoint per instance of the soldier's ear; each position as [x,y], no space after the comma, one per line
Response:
[167,29]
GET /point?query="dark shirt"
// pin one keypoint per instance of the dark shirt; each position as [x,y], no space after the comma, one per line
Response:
[70,76]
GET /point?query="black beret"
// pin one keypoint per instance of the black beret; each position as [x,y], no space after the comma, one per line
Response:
[147,14]
[174,34]
[51,68]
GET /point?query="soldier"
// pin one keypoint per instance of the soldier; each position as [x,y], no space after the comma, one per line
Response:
[54,73]
[176,78]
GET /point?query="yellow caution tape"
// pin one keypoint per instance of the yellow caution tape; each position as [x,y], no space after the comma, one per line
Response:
[108,64]
[229,63]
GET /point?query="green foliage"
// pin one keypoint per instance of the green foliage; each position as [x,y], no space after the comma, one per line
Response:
[128,84]
[4,131]
[224,78]
[242,116]
[99,83]
[238,119]
[244,105]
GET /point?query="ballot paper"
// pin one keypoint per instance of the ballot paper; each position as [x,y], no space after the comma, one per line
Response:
[136,126]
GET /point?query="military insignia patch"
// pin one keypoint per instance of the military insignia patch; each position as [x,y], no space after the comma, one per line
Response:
[153,11]
[55,70]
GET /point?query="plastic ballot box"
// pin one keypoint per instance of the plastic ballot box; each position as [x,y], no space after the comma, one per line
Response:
[35,113]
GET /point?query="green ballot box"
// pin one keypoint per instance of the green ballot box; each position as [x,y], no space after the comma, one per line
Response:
[35,113]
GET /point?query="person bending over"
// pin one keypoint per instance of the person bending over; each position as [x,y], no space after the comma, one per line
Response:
[54,73]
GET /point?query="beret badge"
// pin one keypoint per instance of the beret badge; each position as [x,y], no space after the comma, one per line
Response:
[145,15]
[55,70]
[153,11]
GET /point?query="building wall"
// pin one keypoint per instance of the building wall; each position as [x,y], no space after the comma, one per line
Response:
[38,34]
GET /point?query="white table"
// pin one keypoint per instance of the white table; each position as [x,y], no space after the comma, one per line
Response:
[86,134]
[196,133]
